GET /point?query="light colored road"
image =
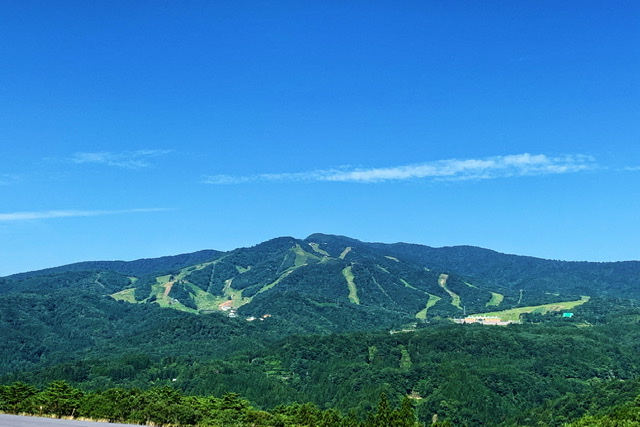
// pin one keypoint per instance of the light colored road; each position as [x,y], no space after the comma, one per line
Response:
[20,421]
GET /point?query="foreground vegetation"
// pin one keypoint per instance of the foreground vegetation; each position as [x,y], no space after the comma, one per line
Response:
[613,405]
[162,406]
[548,371]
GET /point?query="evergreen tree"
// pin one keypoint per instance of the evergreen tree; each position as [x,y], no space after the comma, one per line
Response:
[60,399]
[14,398]
[384,416]
[405,415]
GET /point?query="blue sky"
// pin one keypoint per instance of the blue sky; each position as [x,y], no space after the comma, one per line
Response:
[149,128]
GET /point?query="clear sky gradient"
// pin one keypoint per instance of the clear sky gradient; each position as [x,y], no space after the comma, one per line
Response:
[133,129]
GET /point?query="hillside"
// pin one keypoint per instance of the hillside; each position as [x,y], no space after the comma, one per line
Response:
[134,268]
[294,320]
[512,272]
[338,281]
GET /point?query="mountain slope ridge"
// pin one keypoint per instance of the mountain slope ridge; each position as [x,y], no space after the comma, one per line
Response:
[394,280]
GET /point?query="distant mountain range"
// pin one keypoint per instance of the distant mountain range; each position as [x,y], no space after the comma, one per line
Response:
[338,281]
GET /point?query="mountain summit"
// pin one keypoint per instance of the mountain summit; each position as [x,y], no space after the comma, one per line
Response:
[334,283]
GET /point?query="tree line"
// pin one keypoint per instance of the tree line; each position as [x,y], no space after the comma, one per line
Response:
[166,406]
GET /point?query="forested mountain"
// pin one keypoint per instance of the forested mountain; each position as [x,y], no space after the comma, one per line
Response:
[308,320]
[489,268]
[337,280]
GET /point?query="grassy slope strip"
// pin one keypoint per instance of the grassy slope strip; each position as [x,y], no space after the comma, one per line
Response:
[514,314]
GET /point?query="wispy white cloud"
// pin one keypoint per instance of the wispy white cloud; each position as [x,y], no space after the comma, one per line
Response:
[127,159]
[23,216]
[442,170]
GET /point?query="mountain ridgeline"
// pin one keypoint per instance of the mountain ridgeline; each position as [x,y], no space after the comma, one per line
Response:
[334,283]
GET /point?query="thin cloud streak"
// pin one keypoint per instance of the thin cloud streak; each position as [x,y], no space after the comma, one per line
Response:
[137,159]
[25,216]
[444,170]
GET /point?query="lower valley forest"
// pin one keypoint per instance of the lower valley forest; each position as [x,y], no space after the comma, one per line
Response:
[365,353]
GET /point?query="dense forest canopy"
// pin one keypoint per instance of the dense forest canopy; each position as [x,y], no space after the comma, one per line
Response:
[325,330]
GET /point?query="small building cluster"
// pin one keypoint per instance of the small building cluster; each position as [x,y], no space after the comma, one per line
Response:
[228,308]
[484,320]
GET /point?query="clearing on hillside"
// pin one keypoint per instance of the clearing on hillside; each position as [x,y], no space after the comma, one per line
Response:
[316,247]
[353,291]
[455,298]
[345,252]
[496,300]
[433,299]
[127,295]
[515,313]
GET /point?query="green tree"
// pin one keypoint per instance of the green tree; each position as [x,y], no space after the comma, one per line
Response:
[115,404]
[14,398]
[405,415]
[308,414]
[60,399]
[329,418]
[383,416]
[232,409]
